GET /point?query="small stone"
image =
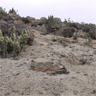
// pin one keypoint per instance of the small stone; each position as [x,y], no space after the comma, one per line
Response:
[40,92]
[94,91]
[7,93]
[48,55]
[56,94]
[86,74]
[61,79]
[52,59]
[78,72]
[63,55]
[45,78]
[0,66]
[75,92]
[16,73]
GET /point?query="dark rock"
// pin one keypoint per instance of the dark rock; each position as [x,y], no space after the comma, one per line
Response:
[83,61]
[94,91]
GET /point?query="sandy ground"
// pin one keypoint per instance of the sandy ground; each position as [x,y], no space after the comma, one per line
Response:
[18,79]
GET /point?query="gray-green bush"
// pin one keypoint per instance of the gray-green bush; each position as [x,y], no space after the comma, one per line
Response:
[52,25]
[13,41]
[2,12]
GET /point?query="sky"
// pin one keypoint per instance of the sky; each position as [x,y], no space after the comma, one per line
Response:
[76,10]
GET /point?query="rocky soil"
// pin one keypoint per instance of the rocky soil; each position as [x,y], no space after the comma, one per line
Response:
[17,78]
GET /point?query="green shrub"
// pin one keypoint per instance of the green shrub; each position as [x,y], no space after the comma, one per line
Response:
[12,11]
[92,32]
[2,12]
[89,42]
[86,36]
[13,41]
[52,25]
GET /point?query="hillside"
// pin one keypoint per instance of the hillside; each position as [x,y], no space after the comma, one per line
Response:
[59,63]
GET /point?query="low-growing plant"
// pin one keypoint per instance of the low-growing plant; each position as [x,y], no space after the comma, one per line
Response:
[56,39]
[89,42]
[86,36]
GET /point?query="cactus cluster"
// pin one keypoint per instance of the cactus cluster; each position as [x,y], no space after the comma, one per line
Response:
[13,42]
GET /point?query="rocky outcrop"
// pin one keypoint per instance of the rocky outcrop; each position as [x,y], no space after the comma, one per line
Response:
[48,66]
[15,20]
[41,28]
[43,19]
[28,19]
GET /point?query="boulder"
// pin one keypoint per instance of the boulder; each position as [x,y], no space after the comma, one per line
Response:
[41,28]
[43,19]
[30,19]
[58,20]
[48,67]
[14,16]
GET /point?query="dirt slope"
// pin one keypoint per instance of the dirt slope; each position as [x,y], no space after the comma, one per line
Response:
[18,79]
